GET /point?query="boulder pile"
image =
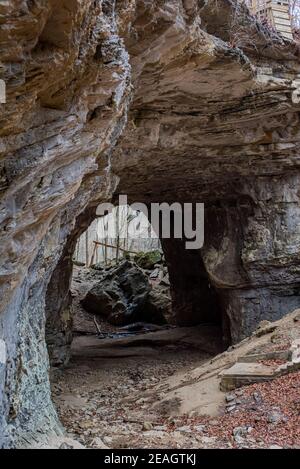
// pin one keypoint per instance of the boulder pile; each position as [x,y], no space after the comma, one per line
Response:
[126,294]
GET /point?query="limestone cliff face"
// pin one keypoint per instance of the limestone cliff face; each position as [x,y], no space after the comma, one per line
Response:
[207,105]
[68,81]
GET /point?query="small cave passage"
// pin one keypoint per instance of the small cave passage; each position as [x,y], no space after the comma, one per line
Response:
[139,283]
[194,298]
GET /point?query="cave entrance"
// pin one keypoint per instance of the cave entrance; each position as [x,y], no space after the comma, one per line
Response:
[136,312]
[129,277]
[118,279]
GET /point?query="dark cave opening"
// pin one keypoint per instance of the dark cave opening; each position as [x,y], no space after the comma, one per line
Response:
[194,300]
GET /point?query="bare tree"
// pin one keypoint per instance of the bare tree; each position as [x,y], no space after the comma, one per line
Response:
[295,14]
[294,6]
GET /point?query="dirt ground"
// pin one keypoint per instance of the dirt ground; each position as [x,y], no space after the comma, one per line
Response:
[119,395]
[162,390]
[112,398]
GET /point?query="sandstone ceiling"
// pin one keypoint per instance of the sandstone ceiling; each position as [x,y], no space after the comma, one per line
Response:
[161,100]
[205,113]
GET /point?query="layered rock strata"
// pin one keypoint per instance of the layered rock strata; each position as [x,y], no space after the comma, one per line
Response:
[207,104]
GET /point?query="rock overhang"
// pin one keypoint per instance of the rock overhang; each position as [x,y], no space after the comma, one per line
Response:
[205,115]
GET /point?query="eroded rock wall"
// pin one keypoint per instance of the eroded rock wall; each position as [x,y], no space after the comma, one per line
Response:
[68,82]
[214,117]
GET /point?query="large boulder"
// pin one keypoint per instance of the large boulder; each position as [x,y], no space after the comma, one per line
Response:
[125,295]
[159,302]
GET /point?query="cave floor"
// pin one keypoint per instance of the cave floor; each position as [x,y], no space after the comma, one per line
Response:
[112,392]
[162,390]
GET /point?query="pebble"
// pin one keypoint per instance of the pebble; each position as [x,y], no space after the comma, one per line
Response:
[160,428]
[230,397]
[231,408]
[257,397]
[65,446]
[85,424]
[156,434]
[200,428]
[107,440]
[147,426]
[240,433]
[214,423]
[276,417]
[184,429]
[98,443]
[208,440]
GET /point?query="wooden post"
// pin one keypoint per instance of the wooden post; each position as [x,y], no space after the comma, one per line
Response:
[97,239]
[93,255]
[87,248]
[105,246]
[118,233]
[77,250]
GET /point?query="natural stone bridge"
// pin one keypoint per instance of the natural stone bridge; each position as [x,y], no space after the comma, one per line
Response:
[162,100]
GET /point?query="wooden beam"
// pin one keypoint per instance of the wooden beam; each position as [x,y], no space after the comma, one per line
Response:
[114,247]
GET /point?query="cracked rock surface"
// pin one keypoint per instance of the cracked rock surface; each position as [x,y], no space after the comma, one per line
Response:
[185,100]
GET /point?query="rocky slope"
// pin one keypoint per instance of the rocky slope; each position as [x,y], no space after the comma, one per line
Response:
[210,104]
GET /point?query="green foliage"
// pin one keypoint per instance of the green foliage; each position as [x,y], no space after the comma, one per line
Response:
[147,260]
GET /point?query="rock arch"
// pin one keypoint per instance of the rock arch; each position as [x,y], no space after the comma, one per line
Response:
[171,101]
